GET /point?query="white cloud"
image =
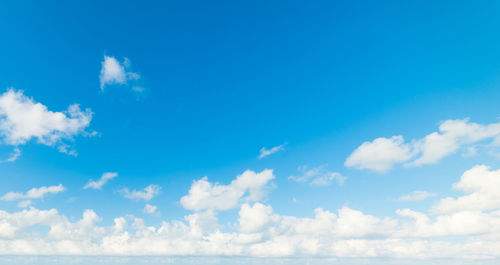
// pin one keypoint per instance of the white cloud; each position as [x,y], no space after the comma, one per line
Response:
[451,136]
[146,194]
[22,119]
[417,195]
[256,218]
[383,153]
[249,186]
[380,154]
[150,209]
[34,193]
[349,233]
[266,152]
[482,188]
[103,180]
[462,223]
[112,72]
[467,234]
[318,176]
[16,153]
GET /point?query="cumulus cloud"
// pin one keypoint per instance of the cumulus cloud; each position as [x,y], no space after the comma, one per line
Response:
[22,119]
[97,184]
[150,209]
[34,193]
[318,176]
[482,188]
[380,154]
[266,152]
[114,72]
[417,195]
[146,194]
[467,233]
[383,153]
[14,236]
[261,233]
[256,218]
[247,187]
[462,223]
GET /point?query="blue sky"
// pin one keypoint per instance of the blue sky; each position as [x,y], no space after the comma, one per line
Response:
[371,108]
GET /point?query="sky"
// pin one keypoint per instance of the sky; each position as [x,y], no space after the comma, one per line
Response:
[250,131]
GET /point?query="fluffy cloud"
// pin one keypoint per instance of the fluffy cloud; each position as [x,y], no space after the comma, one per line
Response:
[249,186]
[266,152]
[417,195]
[34,193]
[256,218]
[451,136]
[22,119]
[482,188]
[146,194]
[318,176]
[97,184]
[382,153]
[114,72]
[455,224]
[347,233]
[464,233]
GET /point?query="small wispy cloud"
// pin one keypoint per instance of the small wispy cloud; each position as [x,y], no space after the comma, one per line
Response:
[113,72]
[24,204]
[150,209]
[417,195]
[318,176]
[146,194]
[138,89]
[34,193]
[16,153]
[266,152]
[97,184]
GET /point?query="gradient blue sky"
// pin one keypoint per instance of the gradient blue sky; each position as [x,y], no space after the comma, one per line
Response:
[224,79]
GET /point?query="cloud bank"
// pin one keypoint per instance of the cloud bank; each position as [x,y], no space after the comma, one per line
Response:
[471,231]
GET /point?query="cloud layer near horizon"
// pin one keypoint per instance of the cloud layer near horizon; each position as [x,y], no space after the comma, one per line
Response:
[259,232]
